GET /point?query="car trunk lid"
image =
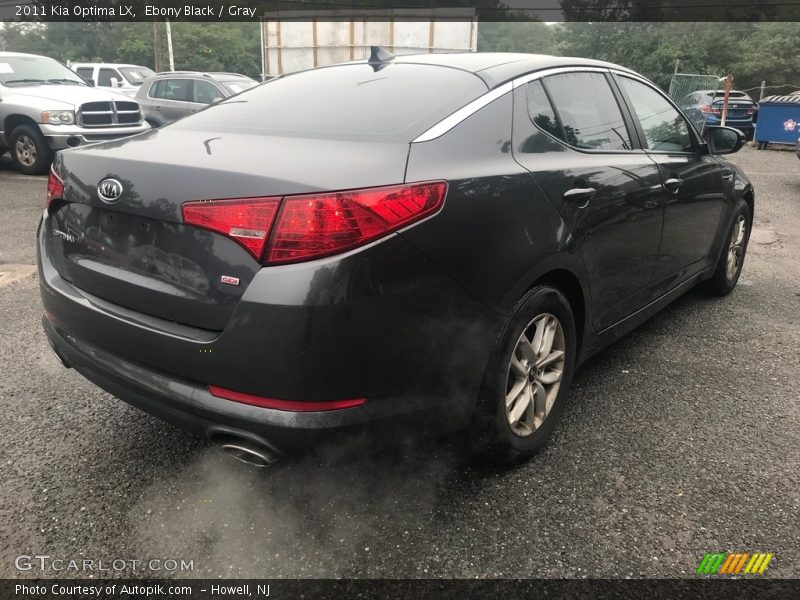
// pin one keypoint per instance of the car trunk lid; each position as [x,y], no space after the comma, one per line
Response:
[136,251]
[738,108]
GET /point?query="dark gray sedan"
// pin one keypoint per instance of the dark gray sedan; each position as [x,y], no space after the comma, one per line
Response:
[435,242]
[166,97]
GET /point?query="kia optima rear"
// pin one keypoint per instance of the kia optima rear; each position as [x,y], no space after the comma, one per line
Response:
[431,240]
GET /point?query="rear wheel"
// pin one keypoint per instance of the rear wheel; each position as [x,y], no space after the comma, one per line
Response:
[528,378]
[729,267]
[29,150]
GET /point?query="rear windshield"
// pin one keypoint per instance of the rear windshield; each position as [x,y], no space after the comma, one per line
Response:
[239,85]
[136,75]
[352,101]
[731,95]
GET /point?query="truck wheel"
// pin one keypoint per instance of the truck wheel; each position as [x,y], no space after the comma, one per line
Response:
[29,150]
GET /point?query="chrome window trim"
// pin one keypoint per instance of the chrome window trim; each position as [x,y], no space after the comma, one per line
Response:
[463,113]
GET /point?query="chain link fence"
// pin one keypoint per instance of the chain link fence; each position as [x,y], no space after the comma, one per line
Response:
[682,86]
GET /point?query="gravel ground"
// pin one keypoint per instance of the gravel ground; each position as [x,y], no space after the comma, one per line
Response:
[679,439]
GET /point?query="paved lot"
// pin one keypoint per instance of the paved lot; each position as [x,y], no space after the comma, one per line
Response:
[679,439]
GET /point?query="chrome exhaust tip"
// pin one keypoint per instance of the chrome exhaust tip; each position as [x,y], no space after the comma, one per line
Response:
[250,453]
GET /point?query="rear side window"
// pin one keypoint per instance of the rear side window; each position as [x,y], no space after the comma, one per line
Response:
[664,128]
[85,72]
[354,101]
[540,110]
[172,89]
[105,75]
[588,111]
[206,92]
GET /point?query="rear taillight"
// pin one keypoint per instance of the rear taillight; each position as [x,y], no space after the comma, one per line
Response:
[246,221]
[311,226]
[316,225]
[55,187]
[707,109]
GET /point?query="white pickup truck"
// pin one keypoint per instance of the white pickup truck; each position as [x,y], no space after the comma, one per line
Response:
[45,107]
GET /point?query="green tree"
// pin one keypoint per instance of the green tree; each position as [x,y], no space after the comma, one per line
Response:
[196,46]
[215,47]
[770,54]
[516,36]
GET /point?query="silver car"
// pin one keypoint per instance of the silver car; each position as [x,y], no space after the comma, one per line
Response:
[44,107]
[166,97]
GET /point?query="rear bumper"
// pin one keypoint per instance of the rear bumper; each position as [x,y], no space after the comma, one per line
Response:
[190,406]
[745,125]
[381,323]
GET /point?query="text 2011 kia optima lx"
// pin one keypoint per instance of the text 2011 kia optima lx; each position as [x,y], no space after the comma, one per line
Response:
[441,238]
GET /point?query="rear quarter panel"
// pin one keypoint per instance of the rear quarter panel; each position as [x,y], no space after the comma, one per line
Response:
[498,232]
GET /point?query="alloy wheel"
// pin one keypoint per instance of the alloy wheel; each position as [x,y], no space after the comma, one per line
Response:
[735,248]
[26,150]
[535,371]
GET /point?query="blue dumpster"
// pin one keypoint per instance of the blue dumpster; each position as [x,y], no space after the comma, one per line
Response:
[778,120]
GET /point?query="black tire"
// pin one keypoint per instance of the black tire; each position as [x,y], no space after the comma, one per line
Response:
[724,280]
[29,150]
[492,435]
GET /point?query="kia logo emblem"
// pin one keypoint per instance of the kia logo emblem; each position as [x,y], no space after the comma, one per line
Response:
[109,190]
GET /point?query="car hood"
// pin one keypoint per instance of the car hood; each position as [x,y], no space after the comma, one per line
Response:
[71,95]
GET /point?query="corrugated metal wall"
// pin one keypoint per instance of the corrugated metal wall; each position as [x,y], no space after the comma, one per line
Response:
[293,42]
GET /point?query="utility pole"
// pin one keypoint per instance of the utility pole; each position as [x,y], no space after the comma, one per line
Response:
[728,87]
[673,82]
[157,45]
[169,47]
[761,93]
[263,58]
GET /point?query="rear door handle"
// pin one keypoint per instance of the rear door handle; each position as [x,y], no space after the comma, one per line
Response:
[673,184]
[580,196]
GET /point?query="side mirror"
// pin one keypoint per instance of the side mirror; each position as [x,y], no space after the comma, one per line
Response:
[723,140]
[115,83]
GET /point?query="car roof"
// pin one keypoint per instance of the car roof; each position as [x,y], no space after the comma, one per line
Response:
[495,68]
[209,75]
[709,92]
[9,54]
[102,64]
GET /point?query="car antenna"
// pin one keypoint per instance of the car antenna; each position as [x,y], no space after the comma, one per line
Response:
[379,57]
